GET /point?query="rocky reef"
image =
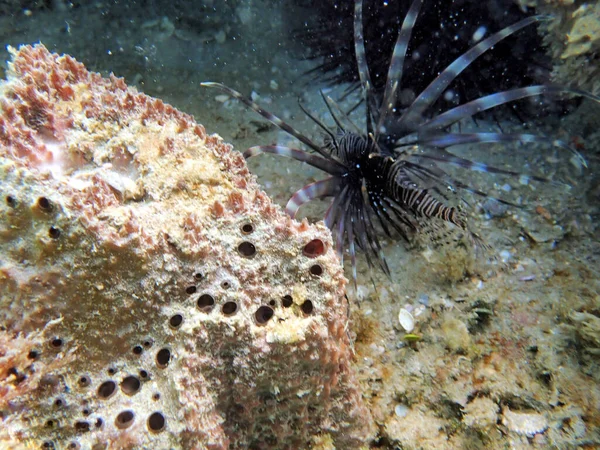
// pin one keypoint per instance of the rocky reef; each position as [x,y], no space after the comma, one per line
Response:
[152,295]
[573,40]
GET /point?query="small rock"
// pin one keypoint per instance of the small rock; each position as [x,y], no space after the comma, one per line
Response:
[401,410]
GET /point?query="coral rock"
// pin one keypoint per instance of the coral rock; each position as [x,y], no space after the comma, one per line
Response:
[152,295]
[481,413]
[528,424]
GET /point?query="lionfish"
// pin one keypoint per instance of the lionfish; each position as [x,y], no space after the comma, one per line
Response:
[387,178]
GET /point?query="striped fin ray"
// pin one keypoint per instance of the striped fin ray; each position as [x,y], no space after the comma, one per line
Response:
[371,235]
[342,227]
[500,98]
[326,165]
[448,158]
[366,236]
[359,47]
[430,177]
[364,243]
[320,124]
[413,115]
[363,67]
[339,236]
[377,207]
[484,103]
[267,115]
[456,183]
[332,215]
[322,188]
[400,217]
[332,104]
[450,139]
[394,76]
[351,245]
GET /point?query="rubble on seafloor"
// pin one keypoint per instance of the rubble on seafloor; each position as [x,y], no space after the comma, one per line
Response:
[152,296]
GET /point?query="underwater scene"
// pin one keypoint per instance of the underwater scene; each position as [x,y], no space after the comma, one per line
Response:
[253,224]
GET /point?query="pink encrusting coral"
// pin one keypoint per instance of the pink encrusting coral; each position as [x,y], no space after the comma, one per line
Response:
[151,295]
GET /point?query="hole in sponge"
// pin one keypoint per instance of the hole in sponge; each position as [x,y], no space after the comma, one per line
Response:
[206,302]
[316,270]
[307,307]
[56,343]
[44,204]
[314,248]
[163,357]
[247,249]
[84,381]
[54,232]
[287,301]
[156,422]
[175,321]
[11,201]
[263,314]
[107,389]
[247,228]
[190,290]
[130,385]
[229,308]
[82,426]
[124,419]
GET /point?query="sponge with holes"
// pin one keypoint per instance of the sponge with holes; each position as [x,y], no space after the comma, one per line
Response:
[152,295]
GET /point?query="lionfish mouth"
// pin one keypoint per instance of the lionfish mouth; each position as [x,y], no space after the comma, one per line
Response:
[387,179]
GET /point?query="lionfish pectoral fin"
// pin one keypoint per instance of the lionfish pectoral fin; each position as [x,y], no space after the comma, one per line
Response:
[319,189]
[412,116]
[371,235]
[394,76]
[332,104]
[499,98]
[483,104]
[448,158]
[267,115]
[351,246]
[333,213]
[362,66]
[397,217]
[326,165]
[450,139]
[359,47]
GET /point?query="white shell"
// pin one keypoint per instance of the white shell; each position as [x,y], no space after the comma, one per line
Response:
[407,321]
[528,424]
